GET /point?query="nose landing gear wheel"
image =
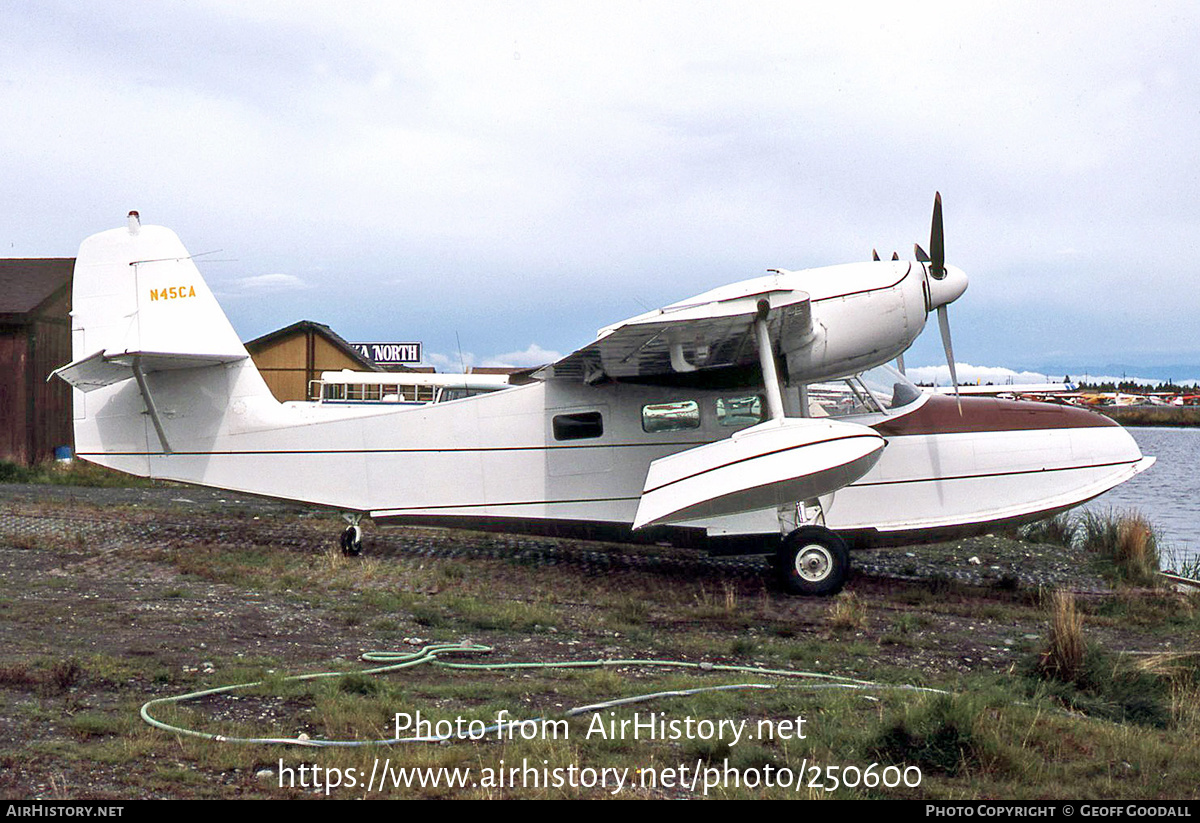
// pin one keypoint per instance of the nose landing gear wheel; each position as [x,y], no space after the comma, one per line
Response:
[812,560]
[351,541]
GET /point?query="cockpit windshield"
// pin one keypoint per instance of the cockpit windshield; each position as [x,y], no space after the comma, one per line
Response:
[880,390]
[891,387]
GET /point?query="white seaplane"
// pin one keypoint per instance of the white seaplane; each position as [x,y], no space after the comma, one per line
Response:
[756,417]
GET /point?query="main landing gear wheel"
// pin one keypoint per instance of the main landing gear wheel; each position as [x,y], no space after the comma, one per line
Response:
[812,560]
[351,541]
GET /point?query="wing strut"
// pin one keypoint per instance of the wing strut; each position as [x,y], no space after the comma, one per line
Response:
[766,357]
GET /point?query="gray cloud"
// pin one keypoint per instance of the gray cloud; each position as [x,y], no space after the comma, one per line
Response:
[525,171]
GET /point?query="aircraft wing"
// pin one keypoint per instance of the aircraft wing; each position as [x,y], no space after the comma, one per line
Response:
[713,330]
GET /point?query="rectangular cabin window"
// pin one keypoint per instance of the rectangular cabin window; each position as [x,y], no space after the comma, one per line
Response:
[671,417]
[740,411]
[578,426]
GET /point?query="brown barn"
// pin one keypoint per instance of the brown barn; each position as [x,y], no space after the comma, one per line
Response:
[35,339]
[292,357]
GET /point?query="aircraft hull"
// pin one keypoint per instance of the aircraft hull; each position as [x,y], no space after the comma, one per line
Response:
[493,461]
[999,463]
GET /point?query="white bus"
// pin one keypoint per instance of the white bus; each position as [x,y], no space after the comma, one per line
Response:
[414,388]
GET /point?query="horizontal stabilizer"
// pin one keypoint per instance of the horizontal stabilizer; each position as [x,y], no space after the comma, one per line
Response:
[103,369]
[772,464]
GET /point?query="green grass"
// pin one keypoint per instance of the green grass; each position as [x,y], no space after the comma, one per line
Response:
[1181,564]
[73,473]
[1058,530]
[1124,545]
[1005,730]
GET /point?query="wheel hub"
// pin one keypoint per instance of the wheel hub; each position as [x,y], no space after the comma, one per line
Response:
[814,563]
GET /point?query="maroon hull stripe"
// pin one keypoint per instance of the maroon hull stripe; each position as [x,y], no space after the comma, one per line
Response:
[939,415]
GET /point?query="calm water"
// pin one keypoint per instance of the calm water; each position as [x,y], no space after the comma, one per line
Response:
[1168,493]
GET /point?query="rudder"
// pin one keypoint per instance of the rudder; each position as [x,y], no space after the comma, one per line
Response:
[155,361]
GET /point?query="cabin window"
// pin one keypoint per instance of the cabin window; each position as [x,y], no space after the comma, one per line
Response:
[740,411]
[671,417]
[578,426]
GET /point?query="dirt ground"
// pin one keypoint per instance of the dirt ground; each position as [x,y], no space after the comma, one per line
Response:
[103,605]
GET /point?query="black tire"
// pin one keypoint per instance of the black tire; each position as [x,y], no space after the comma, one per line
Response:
[813,560]
[351,541]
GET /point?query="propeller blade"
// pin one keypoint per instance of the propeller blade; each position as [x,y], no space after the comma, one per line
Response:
[922,257]
[900,363]
[944,325]
[895,255]
[875,255]
[937,241]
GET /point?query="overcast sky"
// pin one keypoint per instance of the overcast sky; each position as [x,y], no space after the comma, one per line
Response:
[507,178]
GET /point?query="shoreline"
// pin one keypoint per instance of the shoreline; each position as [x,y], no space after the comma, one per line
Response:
[1162,416]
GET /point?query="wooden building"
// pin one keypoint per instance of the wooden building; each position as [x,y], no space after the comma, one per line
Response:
[292,357]
[35,339]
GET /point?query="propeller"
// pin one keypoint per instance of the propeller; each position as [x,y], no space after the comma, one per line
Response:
[944,325]
[937,241]
[937,270]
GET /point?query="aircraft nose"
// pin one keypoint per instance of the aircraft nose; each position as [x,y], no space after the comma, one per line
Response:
[947,289]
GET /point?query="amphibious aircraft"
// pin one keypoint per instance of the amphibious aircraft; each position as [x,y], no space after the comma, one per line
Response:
[757,417]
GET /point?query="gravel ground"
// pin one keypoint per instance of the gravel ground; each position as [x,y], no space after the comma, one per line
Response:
[987,560]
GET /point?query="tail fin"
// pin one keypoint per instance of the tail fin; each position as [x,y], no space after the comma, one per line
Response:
[156,363]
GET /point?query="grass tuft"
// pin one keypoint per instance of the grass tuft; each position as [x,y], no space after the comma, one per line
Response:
[1086,678]
[1126,541]
[943,734]
[1059,530]
[848,612]
[1184,565]
[1063,657]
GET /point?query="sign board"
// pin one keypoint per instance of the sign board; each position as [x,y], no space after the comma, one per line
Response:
[388,354]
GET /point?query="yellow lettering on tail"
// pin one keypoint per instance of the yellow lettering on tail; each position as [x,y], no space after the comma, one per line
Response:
[172,292]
